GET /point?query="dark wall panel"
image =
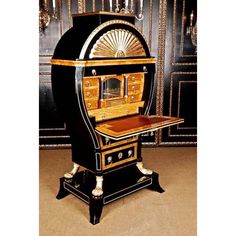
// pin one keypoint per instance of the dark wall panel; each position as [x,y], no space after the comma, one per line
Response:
[178,90]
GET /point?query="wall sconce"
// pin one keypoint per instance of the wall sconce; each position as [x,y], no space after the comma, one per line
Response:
[192,30]
[54,10]
[128,8]
[44,14]
[44,17]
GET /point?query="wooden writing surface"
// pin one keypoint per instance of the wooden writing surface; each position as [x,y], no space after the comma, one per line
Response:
[134,125]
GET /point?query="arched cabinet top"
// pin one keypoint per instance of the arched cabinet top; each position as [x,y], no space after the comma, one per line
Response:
[113,39]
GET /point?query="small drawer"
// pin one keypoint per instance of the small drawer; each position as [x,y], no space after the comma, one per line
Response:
[91,82]
[134,97]
[135,78]
[134,89]
[108,143]
[91,93]
[91,104]
[119,156]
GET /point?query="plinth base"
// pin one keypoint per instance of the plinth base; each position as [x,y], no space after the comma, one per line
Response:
[116,184]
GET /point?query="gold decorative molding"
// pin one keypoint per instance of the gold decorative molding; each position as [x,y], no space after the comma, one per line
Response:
[101,27]
[150,24]
[117,43]
[113,62]
[177,143]
[103,13]
[161,61]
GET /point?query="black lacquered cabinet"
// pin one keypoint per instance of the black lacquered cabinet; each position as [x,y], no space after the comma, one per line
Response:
[165,27]
[103,83]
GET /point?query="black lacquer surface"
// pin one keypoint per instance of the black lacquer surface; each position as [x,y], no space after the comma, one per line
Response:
[116,184]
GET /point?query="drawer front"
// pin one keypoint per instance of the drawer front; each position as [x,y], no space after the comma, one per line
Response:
[135,78]
[91,104]
[89,82]
[134,89]
[91,93]
[118,156]
[107,143]
[135,97]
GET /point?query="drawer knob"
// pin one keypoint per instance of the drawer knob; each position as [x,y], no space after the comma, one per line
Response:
[109,159]
[120,155]
[87,83]
[94,72]
[88,94]
[107,141]
[130,153]
[89,105]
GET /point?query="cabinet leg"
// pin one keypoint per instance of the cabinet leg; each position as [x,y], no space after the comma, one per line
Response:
[155,183]
[62,191]
[98,191]
[95,209]
[70,175]
[142,169]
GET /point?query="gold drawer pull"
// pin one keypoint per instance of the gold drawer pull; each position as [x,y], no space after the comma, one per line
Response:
[87,83]
[88,94]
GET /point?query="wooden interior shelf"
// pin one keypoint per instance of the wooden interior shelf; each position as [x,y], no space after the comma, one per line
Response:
[134,125]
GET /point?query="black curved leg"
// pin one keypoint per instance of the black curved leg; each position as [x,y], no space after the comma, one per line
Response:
[62,191]
[155,183]
[95,209]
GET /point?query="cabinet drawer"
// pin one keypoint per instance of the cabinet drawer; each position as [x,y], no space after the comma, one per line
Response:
[89,82]
[135,97]
[91,104]
[118,156]
[134,89]
[135,78]
[91,93]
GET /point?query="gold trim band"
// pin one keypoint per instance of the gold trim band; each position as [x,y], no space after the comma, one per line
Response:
[103,62]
